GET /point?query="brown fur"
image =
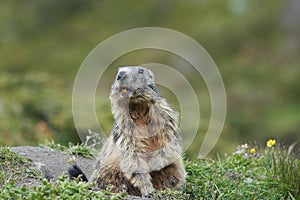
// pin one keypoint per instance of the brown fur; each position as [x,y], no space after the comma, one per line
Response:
[142,152]
[139,112]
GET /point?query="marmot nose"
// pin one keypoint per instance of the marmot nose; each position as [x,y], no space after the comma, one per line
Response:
[121,76]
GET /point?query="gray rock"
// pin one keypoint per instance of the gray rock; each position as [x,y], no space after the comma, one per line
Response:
[53,163]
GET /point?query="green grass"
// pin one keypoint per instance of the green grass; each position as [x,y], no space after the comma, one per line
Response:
[60,189]
[267,173]
[249,173]
[285,165]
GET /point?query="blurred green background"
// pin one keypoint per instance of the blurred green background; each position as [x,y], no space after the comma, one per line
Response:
[255,44]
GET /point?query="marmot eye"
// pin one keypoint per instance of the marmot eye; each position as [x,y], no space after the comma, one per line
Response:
[141,71]
[154,88]
[120,75]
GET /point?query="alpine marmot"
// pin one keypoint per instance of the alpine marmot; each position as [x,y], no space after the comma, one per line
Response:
[142,152]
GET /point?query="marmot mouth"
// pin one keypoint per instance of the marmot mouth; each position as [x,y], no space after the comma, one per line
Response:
[132,93]
[125,91]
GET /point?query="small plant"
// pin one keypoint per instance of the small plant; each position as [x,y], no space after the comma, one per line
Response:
[86,149]
[78,149]
[52,145]
[170,195]
[81,149]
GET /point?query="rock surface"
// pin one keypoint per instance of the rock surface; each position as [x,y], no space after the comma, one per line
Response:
[53,163]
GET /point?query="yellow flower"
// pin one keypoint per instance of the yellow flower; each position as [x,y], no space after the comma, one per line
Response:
[271,142]
[252,151]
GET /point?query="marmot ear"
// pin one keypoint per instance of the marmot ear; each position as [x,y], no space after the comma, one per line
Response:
[154,88]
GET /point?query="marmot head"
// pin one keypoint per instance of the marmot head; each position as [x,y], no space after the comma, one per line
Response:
[133,81]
